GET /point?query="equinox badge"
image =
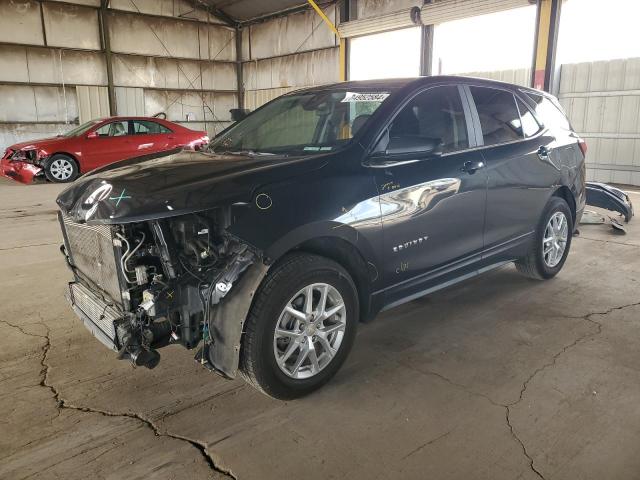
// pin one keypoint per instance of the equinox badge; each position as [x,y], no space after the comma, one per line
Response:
[411,243]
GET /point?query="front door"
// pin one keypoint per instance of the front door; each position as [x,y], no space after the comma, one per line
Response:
[432,207]
[112,144]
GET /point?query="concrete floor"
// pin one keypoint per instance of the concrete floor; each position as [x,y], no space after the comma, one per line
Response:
[498,378]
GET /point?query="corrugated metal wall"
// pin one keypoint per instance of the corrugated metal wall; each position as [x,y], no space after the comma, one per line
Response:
[602,100]
[519,76]
[167,56]
[288,53]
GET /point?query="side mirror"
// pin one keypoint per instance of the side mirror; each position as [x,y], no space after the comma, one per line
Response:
[414,145]
[93,134]
[405,148]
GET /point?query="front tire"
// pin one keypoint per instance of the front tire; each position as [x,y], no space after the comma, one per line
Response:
[552,242]
[300,328]
[61,169]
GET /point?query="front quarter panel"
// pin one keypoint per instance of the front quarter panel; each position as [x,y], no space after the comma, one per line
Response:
[334,202]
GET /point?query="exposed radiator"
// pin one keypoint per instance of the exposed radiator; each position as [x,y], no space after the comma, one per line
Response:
[91,250]
[101,314]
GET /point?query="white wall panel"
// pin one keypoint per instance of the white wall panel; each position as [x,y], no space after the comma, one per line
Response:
[304,69]
[217,43]
[23,132]
[150,72]
[20,22]
[165,8]
[519,76]
[93,102]
[197,106]
[130,101]
[66,66]
[293,33]
[602,100]
[13,64]
[87,3]
[25,103]
[162,37]
[71,26]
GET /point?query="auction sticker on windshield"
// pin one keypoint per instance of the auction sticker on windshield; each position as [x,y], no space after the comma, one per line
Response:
[365,97]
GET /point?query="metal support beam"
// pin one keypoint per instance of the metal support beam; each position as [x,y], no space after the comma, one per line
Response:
[348,11]
[239,73]
[106,48]
[343,43]
[546,43]
[426,47]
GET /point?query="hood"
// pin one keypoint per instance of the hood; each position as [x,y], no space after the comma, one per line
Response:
[41,143]
[175,183]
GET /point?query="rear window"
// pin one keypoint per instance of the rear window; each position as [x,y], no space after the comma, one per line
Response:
[146,127]
[549,113]
[499,116]
[530,125]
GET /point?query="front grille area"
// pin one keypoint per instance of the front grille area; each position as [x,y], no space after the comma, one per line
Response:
[92,252]
[95,308]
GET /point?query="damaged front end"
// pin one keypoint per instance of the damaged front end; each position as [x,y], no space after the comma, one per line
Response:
[22,165]
[144,285]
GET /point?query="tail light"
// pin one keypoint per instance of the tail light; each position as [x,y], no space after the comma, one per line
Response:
[583,146]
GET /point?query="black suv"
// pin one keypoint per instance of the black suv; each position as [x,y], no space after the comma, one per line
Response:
[317,211]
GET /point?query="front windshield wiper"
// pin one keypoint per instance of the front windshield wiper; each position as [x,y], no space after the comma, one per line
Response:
[243,152]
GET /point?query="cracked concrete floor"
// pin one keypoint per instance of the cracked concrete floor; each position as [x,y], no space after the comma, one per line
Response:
[498,378]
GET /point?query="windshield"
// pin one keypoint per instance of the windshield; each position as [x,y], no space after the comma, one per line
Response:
[82,128]
[302,123]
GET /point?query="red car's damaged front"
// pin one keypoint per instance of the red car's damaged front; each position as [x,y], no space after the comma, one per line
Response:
[21,162]
[93,145]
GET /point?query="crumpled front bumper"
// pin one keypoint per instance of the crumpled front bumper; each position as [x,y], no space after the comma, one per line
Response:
[23,172]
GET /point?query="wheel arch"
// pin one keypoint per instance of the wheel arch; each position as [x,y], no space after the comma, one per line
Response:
[350,257]
[565,193]
[71,156]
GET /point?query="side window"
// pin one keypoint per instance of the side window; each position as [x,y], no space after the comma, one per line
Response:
[114,129]
[499,117]
[550,114]
[530,125]
[435,114]
[146,127]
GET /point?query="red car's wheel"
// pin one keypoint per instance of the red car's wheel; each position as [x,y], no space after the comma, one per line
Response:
[61,168]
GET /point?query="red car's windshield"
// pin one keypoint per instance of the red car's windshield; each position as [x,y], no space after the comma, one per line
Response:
[82,128]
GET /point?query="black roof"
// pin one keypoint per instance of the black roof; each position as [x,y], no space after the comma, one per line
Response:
[397,83]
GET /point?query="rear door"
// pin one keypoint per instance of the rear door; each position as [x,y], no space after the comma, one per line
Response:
[151,137]
[432,209]
[521,171]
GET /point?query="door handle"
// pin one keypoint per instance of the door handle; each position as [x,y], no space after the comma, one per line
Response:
[543,153]
[471,167]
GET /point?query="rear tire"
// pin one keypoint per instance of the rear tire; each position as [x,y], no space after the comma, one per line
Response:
[551,244]
[291,348]
[61,168]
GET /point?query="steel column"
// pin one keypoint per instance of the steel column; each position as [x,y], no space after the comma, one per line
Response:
[426,47]
[106,48]
[239,74]
[546,42]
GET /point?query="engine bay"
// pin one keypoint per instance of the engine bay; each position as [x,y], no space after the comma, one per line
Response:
[172,271]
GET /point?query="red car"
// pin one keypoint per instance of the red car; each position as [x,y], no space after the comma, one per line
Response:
[94,144]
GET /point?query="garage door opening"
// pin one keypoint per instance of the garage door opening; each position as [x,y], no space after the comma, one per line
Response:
[393,54]
[485,43]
